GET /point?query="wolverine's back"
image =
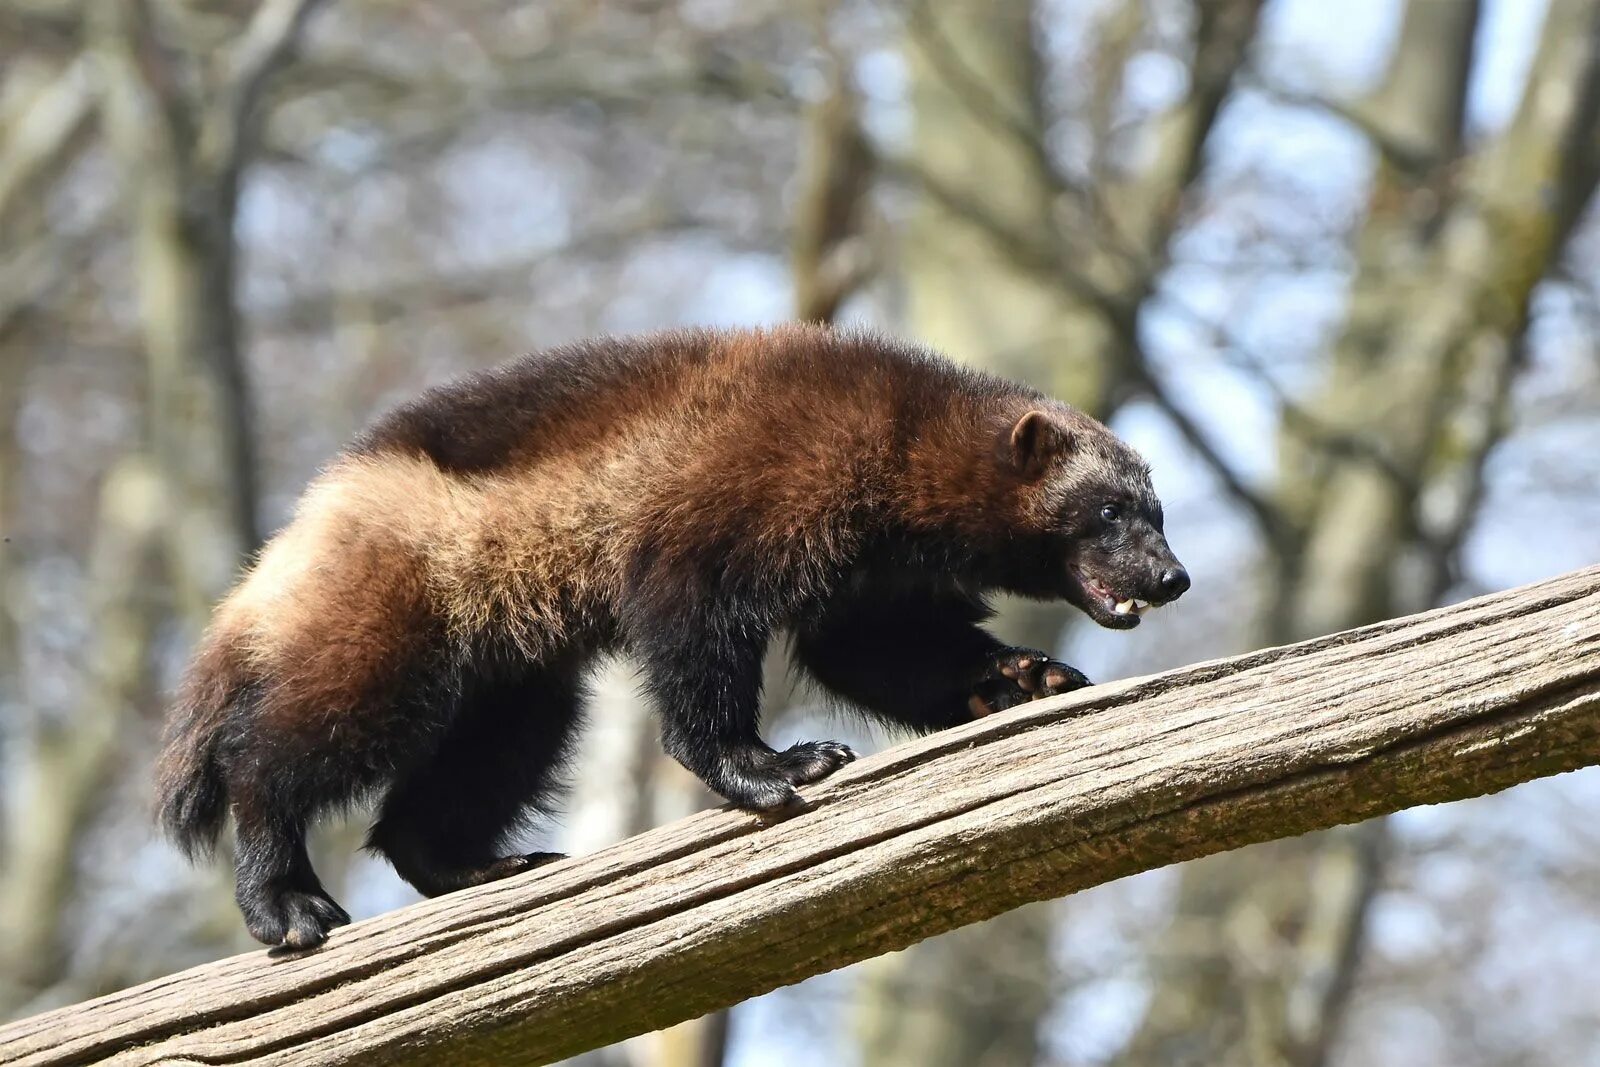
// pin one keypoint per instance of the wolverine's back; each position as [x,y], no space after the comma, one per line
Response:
[533,489]
[519,499]
[671,387]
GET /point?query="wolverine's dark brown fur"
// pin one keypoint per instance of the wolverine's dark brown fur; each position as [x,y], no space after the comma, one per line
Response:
[423,624]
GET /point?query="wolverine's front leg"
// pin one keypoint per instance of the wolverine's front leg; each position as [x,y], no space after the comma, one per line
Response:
[707,683]
[922,660]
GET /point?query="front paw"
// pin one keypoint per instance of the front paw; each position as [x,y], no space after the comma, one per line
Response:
[1019,675]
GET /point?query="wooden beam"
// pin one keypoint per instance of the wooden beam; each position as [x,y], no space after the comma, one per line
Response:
[1045,800]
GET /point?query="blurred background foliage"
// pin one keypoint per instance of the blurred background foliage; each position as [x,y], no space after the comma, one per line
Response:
[1333,267]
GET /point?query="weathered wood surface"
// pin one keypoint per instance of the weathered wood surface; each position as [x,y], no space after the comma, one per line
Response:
[1035,803]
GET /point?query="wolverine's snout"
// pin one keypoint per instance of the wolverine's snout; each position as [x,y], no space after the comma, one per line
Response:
[1167,579]
[1174,581]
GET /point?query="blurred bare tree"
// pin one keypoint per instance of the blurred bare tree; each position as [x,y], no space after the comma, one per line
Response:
[1382,475]
[976,996]
[1352,318]
[177,104]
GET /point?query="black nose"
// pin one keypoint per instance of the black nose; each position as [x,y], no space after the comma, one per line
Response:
[1174,581]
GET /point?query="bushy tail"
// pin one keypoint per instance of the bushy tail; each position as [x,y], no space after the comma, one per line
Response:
[191,795]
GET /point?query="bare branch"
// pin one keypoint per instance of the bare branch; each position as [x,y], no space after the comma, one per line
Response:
[829,252]
[265,45]
[465,286]
[978,95]
[1269,519]
[1297,419]
[1222,42]
[45,134]
[1023,248]
[65,766]
[1412,157]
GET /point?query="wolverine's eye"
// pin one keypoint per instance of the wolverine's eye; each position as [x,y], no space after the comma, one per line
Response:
[1111,513]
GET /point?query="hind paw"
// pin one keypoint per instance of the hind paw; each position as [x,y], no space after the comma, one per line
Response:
[292,918]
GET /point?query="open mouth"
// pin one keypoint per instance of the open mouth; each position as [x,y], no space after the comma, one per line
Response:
[1107,607]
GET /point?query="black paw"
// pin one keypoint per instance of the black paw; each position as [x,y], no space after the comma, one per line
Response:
[768,790]
[758,779]
[812,761]
[291,918]
[1019,675]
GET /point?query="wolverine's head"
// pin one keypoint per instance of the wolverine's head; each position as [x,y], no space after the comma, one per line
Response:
[1089,497]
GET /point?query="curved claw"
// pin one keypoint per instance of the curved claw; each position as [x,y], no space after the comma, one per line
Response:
[1019,675]
[812,761]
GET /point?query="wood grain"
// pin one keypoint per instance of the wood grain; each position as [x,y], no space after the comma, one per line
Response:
[1036,803]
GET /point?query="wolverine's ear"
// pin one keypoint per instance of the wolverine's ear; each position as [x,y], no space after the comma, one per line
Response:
[1035,440]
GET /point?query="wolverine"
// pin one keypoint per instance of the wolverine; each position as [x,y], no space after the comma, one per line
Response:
[420,632]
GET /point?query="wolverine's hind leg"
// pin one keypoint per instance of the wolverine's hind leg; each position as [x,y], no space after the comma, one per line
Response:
[286,759]
[280,895]
[444,824]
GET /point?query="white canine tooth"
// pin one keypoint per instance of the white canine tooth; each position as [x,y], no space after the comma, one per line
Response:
[1140,605]
[1125,607]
